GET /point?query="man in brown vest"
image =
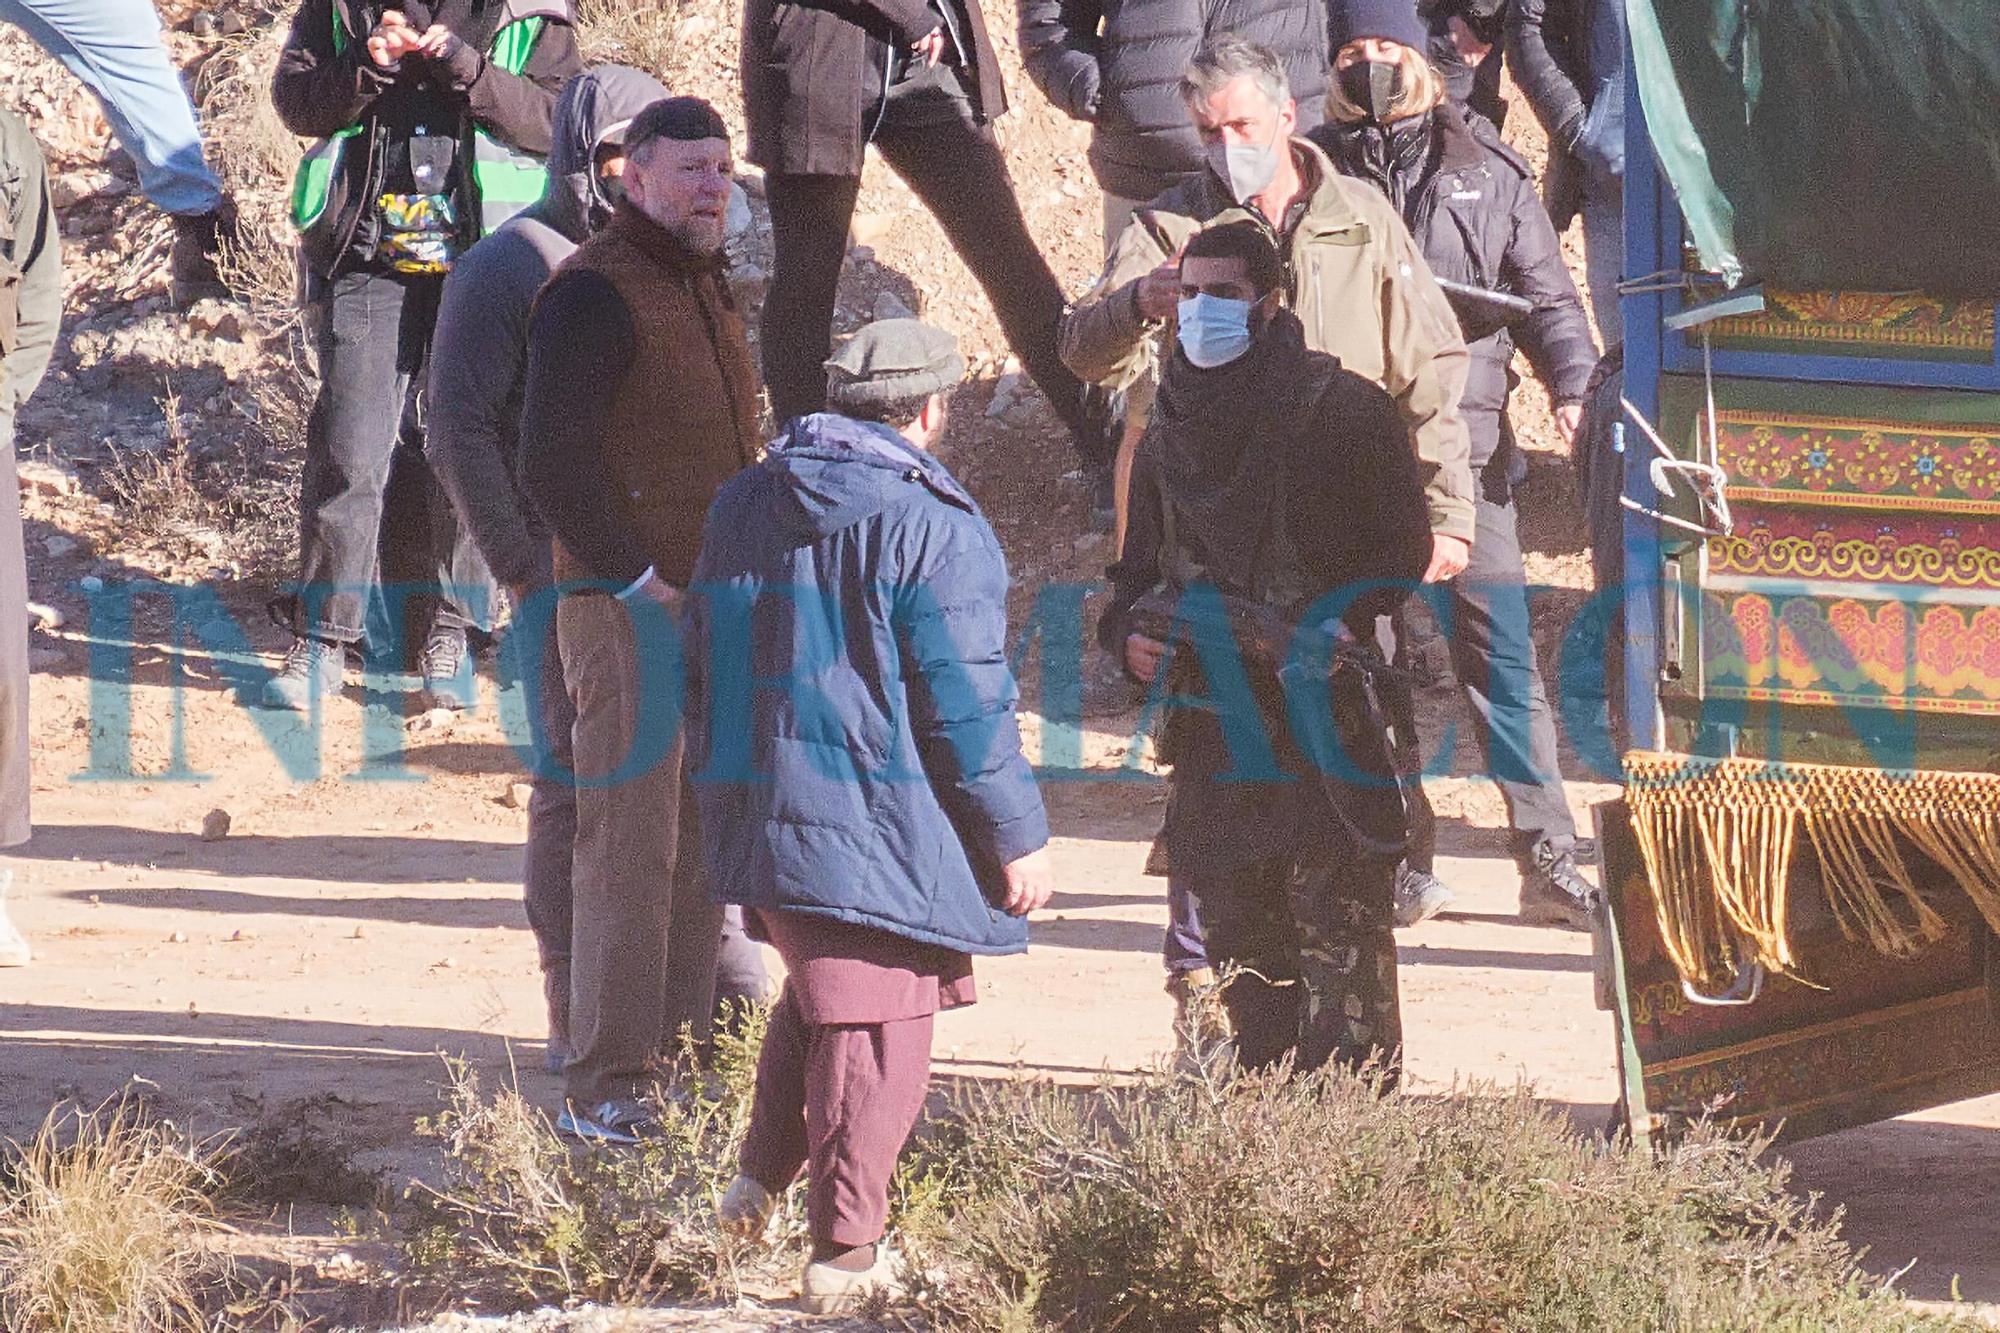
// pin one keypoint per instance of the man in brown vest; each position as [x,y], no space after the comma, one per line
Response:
[641,400]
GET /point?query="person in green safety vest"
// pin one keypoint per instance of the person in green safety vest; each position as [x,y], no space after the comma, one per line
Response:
[432,119]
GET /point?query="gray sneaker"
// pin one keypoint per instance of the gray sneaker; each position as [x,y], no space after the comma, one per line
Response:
[313,668]
[625,1121]
[1420,896]
[445,666]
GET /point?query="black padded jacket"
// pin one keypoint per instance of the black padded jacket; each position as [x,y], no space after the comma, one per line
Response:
[1470,202]
[1125,80]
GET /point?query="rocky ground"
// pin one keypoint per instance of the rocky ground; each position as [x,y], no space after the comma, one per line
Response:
[359,913]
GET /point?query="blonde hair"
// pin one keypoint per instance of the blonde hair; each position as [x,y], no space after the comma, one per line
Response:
[1423,90]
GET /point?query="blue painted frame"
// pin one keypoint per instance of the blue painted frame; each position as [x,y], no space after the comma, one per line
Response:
[1641,314]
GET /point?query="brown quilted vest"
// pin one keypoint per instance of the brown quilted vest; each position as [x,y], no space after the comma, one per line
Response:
[683,416]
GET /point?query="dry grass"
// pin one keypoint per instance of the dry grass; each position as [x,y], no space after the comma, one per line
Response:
[102,1223]
[639,33]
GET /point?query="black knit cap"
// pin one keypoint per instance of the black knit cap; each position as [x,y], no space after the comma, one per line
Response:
[1393,20]
[683,118]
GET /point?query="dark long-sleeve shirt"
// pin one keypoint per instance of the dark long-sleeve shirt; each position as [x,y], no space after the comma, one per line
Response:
[580,343]
[478,368]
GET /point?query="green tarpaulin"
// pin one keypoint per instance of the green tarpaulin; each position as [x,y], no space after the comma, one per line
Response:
[1847,144]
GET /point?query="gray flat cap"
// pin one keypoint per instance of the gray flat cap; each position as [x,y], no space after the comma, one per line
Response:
[892,359]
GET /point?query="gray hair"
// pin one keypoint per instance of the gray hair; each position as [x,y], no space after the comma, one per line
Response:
[1227,58]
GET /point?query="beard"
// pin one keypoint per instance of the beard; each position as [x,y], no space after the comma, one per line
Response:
[701,233]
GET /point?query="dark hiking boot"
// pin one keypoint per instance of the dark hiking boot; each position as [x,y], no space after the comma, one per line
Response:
[1420,896]
[1555,893]
[313,669]
[446,667]
[194,270]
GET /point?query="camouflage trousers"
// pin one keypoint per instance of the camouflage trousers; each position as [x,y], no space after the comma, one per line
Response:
[1310,942]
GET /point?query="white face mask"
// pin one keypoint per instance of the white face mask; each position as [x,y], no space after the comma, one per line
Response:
[1245,168]
[1213,330]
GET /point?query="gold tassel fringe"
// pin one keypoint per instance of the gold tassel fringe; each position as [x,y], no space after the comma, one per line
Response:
[1718,835]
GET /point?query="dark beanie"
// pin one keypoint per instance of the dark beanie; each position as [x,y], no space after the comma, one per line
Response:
[1393,20]
[684,118]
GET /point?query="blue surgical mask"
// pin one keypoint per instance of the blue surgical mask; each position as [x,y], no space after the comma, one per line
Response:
[1214,330]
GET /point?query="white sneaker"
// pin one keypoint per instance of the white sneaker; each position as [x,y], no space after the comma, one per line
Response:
[824,1289]
[14,950]
[745,1209]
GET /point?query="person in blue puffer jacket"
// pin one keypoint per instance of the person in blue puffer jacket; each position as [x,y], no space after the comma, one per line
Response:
[863,794]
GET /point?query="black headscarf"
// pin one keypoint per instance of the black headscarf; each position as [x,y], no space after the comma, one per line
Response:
[1221,437]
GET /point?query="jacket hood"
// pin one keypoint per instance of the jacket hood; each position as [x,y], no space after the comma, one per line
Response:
[591,106]
[838,471]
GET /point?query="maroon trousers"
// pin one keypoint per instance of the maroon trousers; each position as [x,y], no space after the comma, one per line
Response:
[845,1067]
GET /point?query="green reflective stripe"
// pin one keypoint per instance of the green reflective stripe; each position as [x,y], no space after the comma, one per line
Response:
[504,181]
[513,44]
[513,180]
[313,183]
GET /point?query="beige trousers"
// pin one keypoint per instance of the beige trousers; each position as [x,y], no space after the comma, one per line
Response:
[644,933]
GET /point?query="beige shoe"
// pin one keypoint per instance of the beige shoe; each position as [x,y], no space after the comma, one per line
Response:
[825,1289]
[745,1209]
[14,950]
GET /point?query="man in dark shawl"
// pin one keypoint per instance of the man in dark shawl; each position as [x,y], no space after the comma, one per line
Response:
[1276,511]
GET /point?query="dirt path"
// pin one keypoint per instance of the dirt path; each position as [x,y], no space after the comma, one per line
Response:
[347,931]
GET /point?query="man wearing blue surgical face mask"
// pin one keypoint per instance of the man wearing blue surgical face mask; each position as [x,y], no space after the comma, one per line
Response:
[1278,482]
[1219,314]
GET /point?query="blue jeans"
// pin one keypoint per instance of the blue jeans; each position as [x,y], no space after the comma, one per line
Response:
[114,47]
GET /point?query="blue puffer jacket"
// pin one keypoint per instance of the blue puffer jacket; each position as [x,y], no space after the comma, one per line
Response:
[851,714]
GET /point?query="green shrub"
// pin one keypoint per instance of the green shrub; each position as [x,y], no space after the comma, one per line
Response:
[524,1216]
[1190,1205]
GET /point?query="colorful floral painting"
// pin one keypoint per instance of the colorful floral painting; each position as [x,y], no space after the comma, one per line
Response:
[1790,459]
[1888,654]
[1892,325]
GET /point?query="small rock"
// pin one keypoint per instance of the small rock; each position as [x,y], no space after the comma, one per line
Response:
[215,825]
[40,478]
[1007,392]
[447,963]
[234,23]
[57,545]
[888,305]
[870,230]
[359,934]
[71,188]
[178,937]
[518,794]
[216,319]
[204,26]
[436,719]
[240,937]
[91,583]
[737,220]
